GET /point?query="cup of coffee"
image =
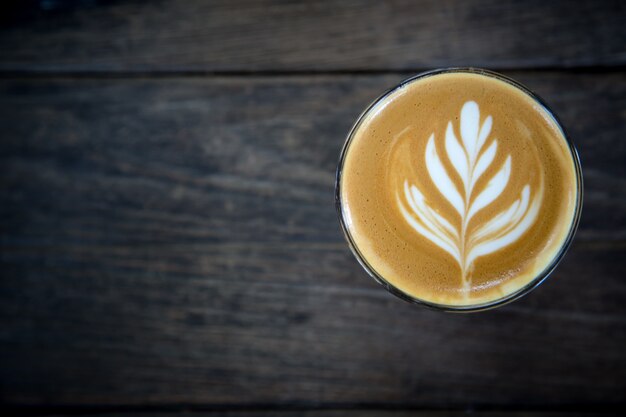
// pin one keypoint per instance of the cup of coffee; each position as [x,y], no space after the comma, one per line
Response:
[459,190]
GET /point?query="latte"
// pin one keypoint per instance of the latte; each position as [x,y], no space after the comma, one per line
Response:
[459,189]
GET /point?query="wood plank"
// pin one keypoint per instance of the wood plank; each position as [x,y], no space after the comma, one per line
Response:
[216,325]
[174,241]
[225,160]
[312,36]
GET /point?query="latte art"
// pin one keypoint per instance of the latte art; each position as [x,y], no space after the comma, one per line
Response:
[458,189]
[470,158]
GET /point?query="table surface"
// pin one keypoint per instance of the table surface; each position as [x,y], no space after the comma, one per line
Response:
[169,240]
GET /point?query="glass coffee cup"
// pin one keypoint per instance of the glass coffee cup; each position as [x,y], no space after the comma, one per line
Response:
[459,189]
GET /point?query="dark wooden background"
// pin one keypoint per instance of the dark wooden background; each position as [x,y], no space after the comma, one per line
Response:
[168,237]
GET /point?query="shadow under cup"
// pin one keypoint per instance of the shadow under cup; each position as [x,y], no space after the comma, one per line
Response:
[538,278]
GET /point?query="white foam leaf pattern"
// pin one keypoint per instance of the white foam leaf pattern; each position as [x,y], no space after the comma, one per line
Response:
[484,131]
[470,118]
[470,162]
[494,188]
[484,162]
[433,230]
[456,153]
[440,176]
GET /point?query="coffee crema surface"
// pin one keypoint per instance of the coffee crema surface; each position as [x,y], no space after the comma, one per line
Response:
[458,188]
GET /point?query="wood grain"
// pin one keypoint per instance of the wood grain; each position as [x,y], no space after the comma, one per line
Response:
[174,241]
[215,325]
[236,159]
[353,35]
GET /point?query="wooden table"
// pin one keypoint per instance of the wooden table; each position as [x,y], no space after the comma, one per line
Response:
[169,239]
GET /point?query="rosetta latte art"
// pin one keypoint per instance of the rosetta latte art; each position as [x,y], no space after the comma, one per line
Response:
[471,158]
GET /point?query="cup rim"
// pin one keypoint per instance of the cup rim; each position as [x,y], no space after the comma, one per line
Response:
[535,282]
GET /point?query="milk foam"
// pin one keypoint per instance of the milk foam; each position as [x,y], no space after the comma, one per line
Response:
[458,189]
[470,158]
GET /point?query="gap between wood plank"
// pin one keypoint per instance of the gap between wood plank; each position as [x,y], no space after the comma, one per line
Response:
[591,245]
[591,409]
[8,74]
